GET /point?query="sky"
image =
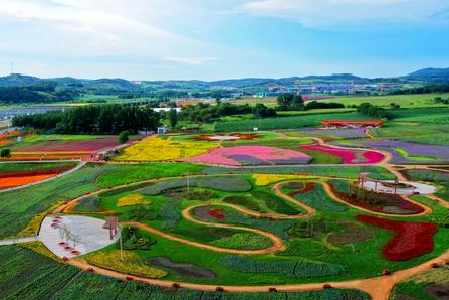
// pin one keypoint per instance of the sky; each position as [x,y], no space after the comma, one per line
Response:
[221,39]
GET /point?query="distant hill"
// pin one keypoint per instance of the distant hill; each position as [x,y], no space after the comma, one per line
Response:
[431,73]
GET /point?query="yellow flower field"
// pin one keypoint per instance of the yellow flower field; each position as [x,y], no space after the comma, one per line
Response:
[158,149]
[134,199]
[266,179]
[132,263]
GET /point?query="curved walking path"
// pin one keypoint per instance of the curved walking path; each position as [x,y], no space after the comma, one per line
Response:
[379,287]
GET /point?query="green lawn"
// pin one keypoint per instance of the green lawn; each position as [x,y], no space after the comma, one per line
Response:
[405,101]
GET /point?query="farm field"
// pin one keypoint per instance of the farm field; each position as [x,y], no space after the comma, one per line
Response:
[273,214]
[60,147]
[406,101]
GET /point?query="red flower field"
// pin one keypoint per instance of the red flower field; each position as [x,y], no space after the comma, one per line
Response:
[10,179]
[412,239]
[350,156]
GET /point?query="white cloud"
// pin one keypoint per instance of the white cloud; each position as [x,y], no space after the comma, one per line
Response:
[191,60]
[346,13]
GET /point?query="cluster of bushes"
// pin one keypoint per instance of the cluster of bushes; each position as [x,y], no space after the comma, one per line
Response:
[440,100]
[104,119]
[204,113]
[132,240]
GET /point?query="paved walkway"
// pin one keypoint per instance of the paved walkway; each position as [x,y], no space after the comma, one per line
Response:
[18,241]
[416,187]
[92,236]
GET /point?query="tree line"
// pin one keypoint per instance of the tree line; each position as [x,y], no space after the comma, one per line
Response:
[423,90]
[104,119]
[293,102]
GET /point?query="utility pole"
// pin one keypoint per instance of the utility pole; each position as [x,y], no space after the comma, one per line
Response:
[121,245]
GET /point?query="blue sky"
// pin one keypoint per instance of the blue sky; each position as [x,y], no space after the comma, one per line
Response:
[222,39]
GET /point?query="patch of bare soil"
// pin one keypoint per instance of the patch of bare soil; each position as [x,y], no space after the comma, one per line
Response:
[183,269]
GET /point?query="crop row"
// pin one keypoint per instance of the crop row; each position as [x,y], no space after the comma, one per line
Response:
[290,269]
[230,184]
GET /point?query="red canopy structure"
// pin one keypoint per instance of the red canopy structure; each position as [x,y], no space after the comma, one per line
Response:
[343,123]
[111,224]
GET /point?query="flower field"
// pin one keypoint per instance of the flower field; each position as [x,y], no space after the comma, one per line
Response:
[412,239]
[250,155]
[132,263]
[133,199]
[10,179]
[159,149]
[409,152]
[350,156]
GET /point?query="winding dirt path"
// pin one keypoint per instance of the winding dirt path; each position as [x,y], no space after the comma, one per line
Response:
[378,287]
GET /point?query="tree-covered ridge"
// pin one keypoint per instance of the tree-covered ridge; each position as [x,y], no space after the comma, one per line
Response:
[42,92]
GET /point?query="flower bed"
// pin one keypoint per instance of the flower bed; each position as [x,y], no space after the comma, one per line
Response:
[350,156]
[158,149]
[10,179]
[377,202]
[266,179]
[250,155]
[133,199]
[408,152]
[217,213]
[132,263]
[350,133]
[68,145]
[231,136]
[412,239]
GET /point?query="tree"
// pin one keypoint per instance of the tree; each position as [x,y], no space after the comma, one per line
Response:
[288,102]
[261,111]
[5,153]
[173,117]
[123,137]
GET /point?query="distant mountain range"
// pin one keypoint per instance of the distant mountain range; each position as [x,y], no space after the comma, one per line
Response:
[427,75]
[430,73]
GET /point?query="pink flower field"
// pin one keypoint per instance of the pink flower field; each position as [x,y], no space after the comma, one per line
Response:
[250,155]
[350,156]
